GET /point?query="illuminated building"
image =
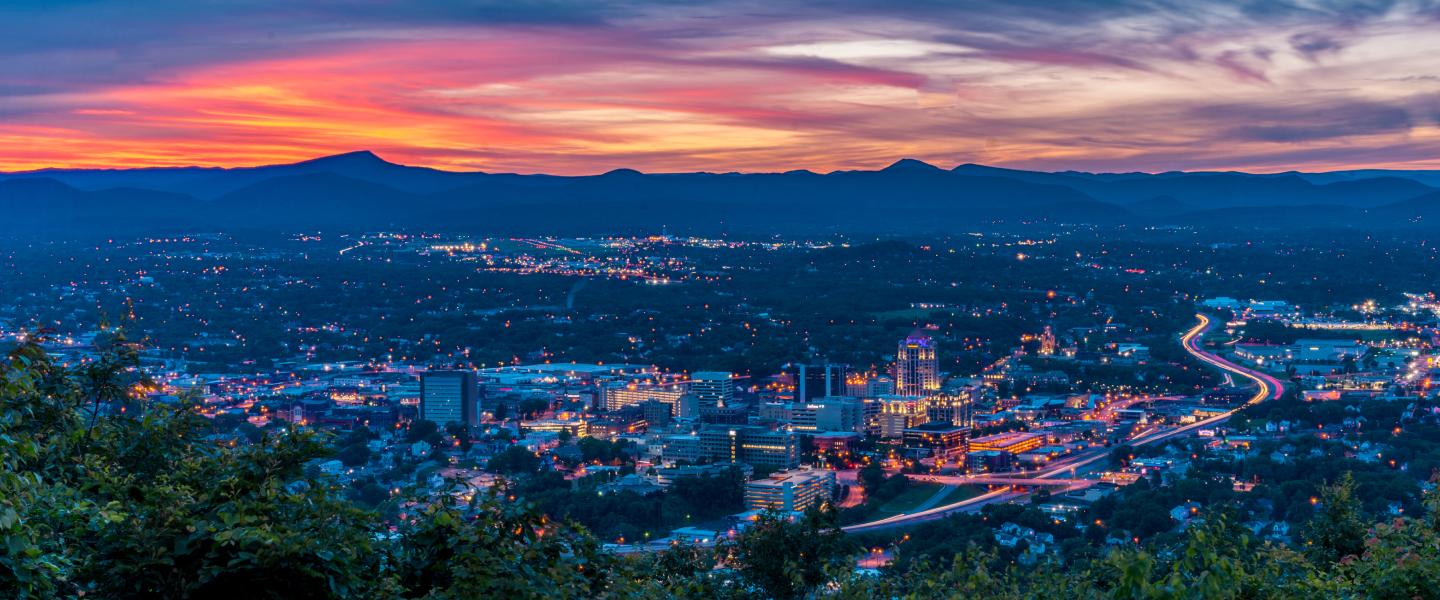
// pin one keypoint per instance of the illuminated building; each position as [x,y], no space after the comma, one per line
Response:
[1011,443]
[1047,342]
[681,448]
[618,396]
[940,439]
[917,372]
[449,397]
[712,388]
[577,428]
[898,413]
[751,445]
[954,409]
[824,414]
[790,491]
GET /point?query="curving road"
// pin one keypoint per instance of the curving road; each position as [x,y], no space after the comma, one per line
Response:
[1268,387]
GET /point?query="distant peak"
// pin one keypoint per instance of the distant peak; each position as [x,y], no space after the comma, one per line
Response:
[911,164]
[358,157]
[621,173]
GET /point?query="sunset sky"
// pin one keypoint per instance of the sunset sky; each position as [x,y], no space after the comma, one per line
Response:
[585,87]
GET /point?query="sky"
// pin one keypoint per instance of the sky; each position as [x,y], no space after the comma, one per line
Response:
[663,86]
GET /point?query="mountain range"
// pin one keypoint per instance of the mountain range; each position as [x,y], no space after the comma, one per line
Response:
[360,191]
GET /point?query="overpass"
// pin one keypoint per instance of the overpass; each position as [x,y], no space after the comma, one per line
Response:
[1014,479]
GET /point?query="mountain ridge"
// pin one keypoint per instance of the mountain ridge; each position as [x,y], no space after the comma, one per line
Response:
[363,191]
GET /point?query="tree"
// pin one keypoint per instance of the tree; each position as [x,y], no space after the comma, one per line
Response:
[486,548]
[354,455]
[137,504]
[421,430]
[1337,530]
[788,559]
[514,460]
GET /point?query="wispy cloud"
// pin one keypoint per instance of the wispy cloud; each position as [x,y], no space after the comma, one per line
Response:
[576,87]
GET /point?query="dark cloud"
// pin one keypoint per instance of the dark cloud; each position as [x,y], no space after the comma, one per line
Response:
[1313,44]
[1305,122]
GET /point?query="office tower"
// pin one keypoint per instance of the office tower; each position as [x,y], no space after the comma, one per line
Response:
[953,408]
[449,397]
[818,381]
[751,445]
[898,413]
[712,388]
[917,373]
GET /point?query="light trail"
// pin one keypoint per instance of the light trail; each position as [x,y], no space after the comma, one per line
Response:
[1269,387]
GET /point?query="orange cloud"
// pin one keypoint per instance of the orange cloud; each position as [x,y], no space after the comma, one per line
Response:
[821,92]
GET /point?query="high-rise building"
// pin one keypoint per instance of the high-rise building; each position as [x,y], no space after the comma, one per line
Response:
[449,396]
[818,381]
[712,388]
[751,445]
[917,372]
[953,408]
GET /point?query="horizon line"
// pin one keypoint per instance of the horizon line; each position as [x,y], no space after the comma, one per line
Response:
[899,163]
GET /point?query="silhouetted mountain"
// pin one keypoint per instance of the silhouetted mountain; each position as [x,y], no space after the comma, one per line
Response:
[1422,210]
[314,200]
[214,182]
[361,191]
[1430,178]
[910,163]
[41,205]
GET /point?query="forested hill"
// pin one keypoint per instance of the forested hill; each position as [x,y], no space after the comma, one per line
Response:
[361,191]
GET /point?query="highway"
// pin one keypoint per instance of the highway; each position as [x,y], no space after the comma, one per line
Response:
[1267,387]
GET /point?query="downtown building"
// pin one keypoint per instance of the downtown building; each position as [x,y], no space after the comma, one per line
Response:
[751,445]
[616,396]
[837,414]
[712,389]
[791,491]
[898,413]
[450,396]
[917,370]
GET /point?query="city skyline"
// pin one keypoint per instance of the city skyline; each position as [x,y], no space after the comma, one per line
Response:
[576,89]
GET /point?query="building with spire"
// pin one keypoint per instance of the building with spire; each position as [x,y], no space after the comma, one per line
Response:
[917,371]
